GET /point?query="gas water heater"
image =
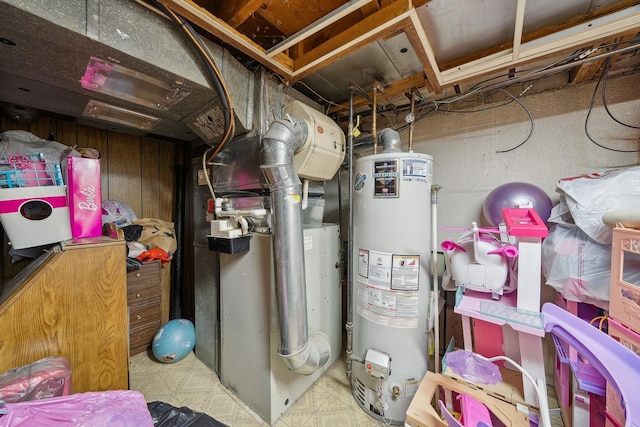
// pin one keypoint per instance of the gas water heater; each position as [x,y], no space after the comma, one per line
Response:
[391,282]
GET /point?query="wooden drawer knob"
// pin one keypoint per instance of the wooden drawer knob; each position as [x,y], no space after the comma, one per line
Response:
[138,274]
[138,295]
[138,317]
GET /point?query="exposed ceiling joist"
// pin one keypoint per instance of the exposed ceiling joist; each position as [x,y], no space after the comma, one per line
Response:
[329,19]
[235,13]
[517,32]
[280,63]
[295,59]
[582,35]
[382,23]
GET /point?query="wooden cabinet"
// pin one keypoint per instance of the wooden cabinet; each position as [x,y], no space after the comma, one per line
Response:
[71,302]
[143,298]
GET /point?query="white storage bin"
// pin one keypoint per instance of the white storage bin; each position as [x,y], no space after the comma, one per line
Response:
[35,216]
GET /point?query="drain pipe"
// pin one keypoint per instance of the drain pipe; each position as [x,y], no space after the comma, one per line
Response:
[303,351]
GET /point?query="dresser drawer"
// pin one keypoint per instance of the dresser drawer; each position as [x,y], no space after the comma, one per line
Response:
[143,293]
[141,338]
[148,272]
[140,316]
[143,299]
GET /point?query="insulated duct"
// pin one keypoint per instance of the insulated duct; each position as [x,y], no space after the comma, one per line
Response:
[303,351]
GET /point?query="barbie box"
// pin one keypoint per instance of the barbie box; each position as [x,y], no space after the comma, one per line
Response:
[35,216]
[82,176]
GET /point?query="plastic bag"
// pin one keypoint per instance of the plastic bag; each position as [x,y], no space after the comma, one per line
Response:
[21,141]
[48,377]
[122,408]
[577,266]
[473,368]
[588,197]
[165,415]
[118,213]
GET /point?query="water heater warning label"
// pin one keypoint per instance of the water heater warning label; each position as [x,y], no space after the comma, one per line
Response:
[387,289]
[405,272]
[385,175]
[414,169]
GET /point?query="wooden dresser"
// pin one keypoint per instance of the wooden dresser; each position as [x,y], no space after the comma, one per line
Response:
[71,302]
[143,298]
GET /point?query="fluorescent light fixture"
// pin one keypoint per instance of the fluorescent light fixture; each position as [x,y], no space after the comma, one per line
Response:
[124,83]
[111,113]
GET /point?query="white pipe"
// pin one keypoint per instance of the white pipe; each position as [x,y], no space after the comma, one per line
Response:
[434,271]
[244,225]
[305,194]
[542,397]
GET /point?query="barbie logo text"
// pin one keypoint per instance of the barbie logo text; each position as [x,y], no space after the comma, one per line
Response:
[90,204]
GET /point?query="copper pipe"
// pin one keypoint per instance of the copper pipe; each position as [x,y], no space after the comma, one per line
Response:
[376,87]
[412,118]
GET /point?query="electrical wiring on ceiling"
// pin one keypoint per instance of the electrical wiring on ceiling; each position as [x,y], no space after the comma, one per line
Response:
[586,120]
[533,75]
[530,119]
[310,89]
[214,72]
[604,96]
[218,81]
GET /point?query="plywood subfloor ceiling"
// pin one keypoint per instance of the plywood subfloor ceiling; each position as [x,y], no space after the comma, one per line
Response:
[430,46]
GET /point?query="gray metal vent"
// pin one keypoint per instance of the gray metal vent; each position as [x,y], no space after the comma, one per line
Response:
[53,41]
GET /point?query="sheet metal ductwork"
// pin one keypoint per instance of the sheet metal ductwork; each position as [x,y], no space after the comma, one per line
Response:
[302,350]
[51,43]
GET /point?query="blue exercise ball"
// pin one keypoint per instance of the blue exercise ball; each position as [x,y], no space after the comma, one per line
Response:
[513,195]
[174,341]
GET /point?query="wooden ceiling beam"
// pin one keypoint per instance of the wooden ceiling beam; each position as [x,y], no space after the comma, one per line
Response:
[586,71]
[543,32]
[589,70]
[580,36]
[371,28]
[280,63]
[370,8]
[235,12]
[422,47]
[312,29]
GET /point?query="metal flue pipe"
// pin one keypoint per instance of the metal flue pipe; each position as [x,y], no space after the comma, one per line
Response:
[390,140]
[303,351]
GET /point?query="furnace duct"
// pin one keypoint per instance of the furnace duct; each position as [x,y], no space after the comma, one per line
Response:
[303,351]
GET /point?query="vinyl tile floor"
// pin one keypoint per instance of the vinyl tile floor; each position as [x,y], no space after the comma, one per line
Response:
[190,383]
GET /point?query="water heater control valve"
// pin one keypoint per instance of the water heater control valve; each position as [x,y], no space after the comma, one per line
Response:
[377,363]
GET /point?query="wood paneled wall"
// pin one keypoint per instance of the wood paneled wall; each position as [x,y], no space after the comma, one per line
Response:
[138,171]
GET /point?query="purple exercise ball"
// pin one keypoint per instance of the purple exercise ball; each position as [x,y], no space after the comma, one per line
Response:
[513,195]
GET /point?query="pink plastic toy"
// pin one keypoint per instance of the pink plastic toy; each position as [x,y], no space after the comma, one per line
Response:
[474,413]
[619,365]
[480,262]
